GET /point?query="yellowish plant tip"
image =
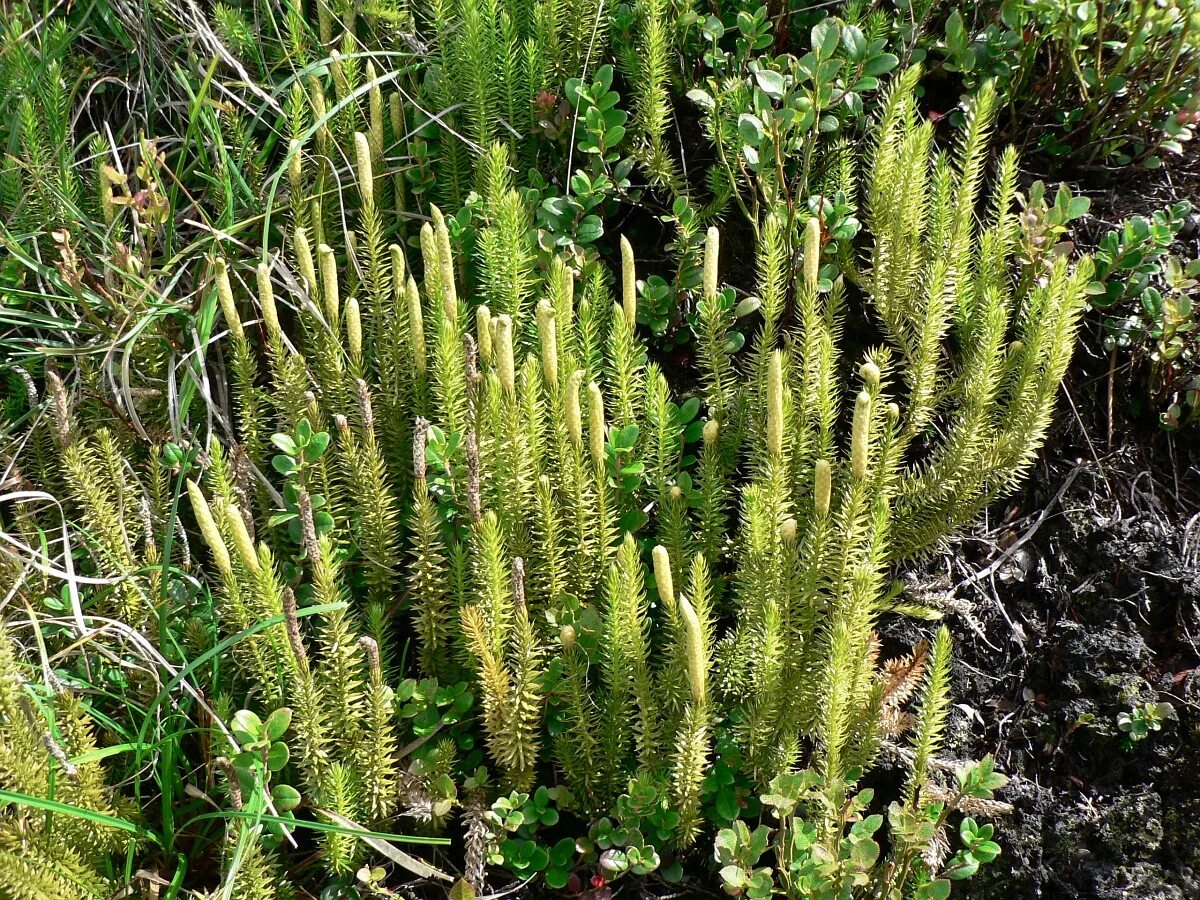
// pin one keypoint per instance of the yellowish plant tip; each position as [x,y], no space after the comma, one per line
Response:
[399,266]
[329,283]
[341,84]
[395,115]
[446,262]
[596,424]
[304,260]
[787,530]
[548,334]
[697,655]
[505,364]
[573,412]
[822,486]
[416,326]
[775,405]
[812,253]
[860,436]
[429,250]
[225,296]
[483,332]
[295,166]
[266,300]
[712,253]
[870,374]
[628,283]
[354,333]
[366,173]
[375,112]
[662,576]
[241,537]
[208,528]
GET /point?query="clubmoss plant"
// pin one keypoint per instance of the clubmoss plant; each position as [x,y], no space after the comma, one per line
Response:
[497,483]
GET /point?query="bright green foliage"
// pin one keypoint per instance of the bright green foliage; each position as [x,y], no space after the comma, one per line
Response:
[796,664]
[345,723]
[51,855]
[955,279]
[651,80]
[490,62]
[812,859]
[260,754]
[1143,719]
[484,476]
[40,180]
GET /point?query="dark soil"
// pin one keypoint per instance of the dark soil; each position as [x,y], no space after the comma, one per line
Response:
[1088,604]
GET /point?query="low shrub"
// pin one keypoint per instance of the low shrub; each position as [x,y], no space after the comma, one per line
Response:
[1109,84]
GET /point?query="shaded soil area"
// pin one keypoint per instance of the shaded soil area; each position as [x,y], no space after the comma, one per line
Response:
[1085,600]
